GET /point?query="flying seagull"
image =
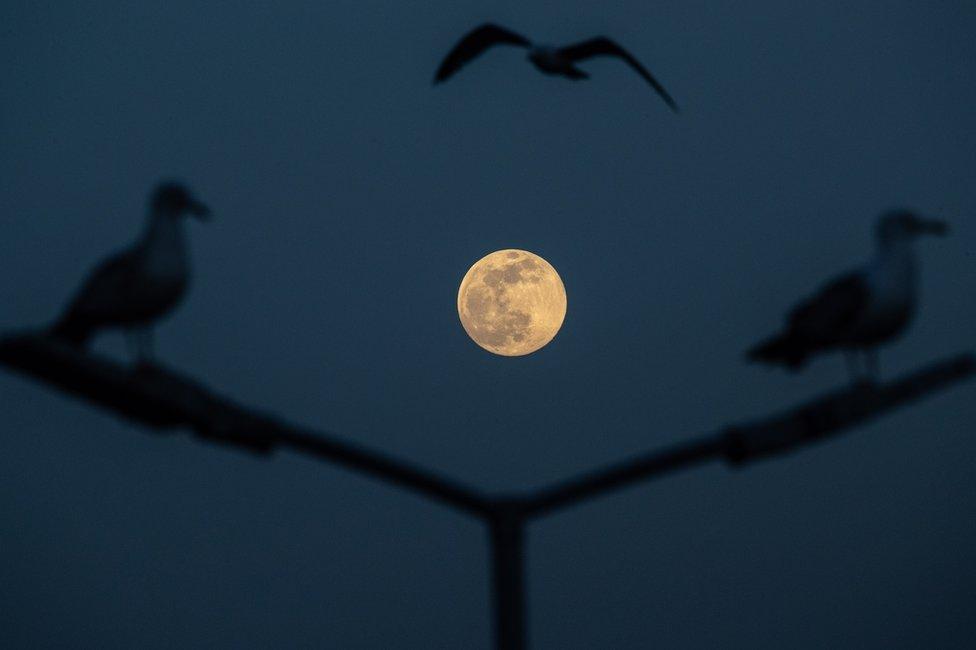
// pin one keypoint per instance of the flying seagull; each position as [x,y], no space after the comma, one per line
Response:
[134,288]
[860,310]
[550,60]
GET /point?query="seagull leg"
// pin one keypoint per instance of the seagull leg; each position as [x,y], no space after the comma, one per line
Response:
[150,344]
[850,356]
[131,343]
[871,363]
[146,351]
[139,345]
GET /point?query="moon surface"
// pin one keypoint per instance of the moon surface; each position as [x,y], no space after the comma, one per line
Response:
[511,302]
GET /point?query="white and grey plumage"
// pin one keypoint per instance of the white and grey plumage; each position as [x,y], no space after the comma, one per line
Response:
[550,60]
[135,287]
[860,310]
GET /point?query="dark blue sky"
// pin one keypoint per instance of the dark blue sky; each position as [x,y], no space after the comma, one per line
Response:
[350,197]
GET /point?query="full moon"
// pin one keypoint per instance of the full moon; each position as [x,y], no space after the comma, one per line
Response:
[511,302]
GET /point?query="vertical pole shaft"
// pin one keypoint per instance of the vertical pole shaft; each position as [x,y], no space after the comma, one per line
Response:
[508,583]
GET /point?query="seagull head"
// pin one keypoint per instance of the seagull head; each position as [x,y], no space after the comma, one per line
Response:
[905,225]
[175,200]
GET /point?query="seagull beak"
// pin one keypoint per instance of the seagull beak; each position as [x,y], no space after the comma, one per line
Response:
[932,227]
[200,211]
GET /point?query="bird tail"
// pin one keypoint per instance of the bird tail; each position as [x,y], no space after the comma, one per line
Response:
[72,331]
[782,349]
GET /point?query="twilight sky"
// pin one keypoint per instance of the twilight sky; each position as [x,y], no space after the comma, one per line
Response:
[350,197]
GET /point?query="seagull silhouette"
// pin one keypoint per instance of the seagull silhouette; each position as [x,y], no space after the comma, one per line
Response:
[134,288]
[858,311]
[550,60]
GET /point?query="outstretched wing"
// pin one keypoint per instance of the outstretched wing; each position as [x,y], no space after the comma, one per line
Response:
[603,46]
[826,317]
[474,43]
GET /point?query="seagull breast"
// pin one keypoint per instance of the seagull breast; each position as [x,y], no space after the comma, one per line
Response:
[891,282]
[161,270]
[163,256]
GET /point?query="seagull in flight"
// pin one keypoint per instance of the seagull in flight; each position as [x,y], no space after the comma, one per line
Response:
[135,287]
[860,310]
[550,60]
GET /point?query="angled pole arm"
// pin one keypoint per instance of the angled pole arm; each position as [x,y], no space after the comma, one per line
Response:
[817,420]
[165,400]
[620,475]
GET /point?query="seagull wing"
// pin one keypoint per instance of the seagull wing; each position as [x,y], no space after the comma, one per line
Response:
[603,46]
[826,317]
[106,292]
[474,43]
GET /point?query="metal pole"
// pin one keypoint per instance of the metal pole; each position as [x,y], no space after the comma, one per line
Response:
[163,399]
[506,527]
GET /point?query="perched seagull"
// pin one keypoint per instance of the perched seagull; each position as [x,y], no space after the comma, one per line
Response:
[550,60]
[860,310]
[139,285]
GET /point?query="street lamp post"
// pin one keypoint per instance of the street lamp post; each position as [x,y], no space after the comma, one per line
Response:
[161,399]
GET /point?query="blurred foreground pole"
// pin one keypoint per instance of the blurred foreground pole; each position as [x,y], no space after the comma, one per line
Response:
[164,400]
[506,526]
